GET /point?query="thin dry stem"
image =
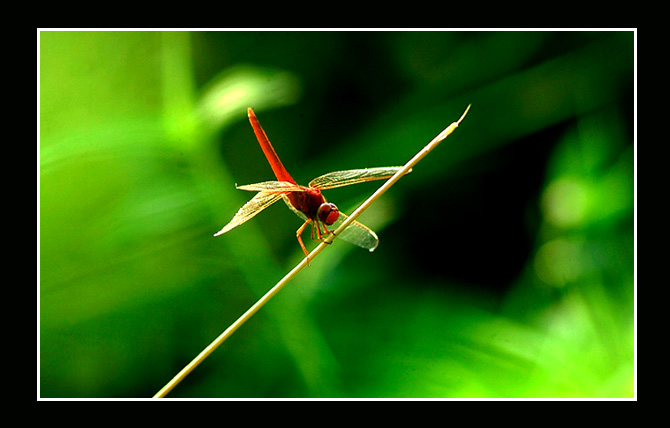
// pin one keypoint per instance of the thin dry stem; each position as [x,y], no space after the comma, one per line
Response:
[398,175]
[285,280]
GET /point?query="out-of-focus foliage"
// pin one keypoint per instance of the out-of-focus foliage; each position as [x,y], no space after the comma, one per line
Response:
[506,259]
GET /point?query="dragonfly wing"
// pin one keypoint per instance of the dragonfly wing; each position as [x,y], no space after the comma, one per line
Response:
[257,204]
[353,176]
[272,187]
[356,233]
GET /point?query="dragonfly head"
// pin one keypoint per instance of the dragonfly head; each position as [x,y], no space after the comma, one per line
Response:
[328,213]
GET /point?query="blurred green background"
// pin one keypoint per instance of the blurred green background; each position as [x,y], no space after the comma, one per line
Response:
[506,259]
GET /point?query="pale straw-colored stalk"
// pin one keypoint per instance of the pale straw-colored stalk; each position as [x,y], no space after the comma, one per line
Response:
[285,280]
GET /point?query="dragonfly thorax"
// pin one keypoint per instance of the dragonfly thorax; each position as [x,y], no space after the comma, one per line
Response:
[308,202]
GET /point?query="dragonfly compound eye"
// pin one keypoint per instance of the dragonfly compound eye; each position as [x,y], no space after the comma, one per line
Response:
[328,213]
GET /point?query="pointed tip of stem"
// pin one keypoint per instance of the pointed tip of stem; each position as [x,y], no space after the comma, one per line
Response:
[464,113]
[449,129]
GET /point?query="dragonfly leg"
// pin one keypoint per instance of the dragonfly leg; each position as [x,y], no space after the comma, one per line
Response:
[318,232]
[299,232]
[326,231]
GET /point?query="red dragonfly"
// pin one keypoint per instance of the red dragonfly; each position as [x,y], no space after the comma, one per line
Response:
[307,202]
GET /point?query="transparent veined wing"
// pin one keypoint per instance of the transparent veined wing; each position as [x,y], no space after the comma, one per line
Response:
[272,186]
[357,233]
[353,176]
[257,204]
